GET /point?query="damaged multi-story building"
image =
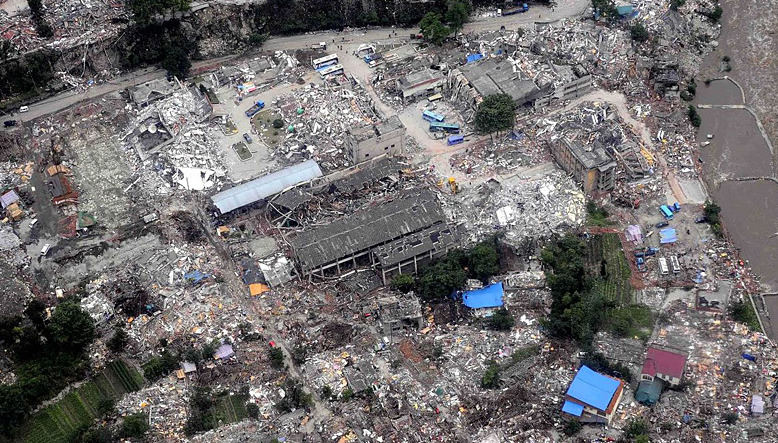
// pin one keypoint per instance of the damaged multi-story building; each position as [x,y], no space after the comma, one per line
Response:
[590,165]
[368,142]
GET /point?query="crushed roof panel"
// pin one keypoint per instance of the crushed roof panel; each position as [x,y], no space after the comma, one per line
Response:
[434,238]
[365,229]
[265,186]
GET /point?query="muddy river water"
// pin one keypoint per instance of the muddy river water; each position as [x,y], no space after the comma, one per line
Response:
[738,164]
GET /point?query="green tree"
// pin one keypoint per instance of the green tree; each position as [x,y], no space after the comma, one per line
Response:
[495,113]
[276,358]
[433,29]
[638,32]
[606,8]
[457,15]
[403,283]
[441,279]
[502,320]
[635,428]
[483,261]
[176,61]
[134,426]
[71,327]
[694,116]
[572,427]
[36,312]
[118,340]
[143,10]
[252,410]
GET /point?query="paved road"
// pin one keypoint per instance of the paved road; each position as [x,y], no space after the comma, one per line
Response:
[564,9]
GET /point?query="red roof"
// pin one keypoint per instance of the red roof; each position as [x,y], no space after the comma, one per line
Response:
[660,361]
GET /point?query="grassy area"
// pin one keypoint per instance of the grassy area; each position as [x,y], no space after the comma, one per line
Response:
[263,122]
[597,215]
[61,421]
[631,321]
[242,150]
[607,261]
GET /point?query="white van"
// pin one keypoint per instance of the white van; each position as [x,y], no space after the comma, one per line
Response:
[45,249]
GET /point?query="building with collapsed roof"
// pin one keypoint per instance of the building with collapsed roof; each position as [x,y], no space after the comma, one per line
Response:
[593,397]
[352,241]
[420,84]
[366,142]
[474,81]
[405,255]
[143,95]
[266,186]
[590,165]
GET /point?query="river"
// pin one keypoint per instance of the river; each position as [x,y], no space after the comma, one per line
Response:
[741,149]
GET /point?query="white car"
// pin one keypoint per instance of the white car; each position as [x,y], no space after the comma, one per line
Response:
[45,249]
[24,108]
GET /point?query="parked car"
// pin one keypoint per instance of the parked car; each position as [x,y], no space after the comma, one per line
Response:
[45,249]
[701,219]
[24,108]
[247,138]
[9,123]
[662,224]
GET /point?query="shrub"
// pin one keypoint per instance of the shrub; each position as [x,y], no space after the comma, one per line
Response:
[501,320]
[134,426]
[276,358]
[572,427]
[694,117]
[639,32]
[278,123]
[403,283]
[252,410]
[491,378]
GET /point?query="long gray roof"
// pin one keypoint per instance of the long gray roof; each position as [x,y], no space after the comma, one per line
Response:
[265,186]
[365,229]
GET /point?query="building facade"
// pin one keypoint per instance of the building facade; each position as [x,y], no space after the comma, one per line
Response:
[369,142]
[593,167]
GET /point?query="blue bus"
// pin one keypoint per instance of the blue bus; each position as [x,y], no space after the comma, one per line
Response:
[451,128]
[455,140]
[666,212]
[432,117]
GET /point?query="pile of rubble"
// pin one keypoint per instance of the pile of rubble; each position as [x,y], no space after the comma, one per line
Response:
[523,209]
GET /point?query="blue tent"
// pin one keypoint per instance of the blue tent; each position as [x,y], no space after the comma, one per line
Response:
[474,58]
[649,391]
[593,388]
[667,235]
[487,297]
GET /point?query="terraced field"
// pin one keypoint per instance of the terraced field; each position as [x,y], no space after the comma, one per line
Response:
[231,408]
[614,284]
[60,422]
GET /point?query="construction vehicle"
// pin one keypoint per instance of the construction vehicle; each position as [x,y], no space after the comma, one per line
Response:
[252,111]
[452,183]
[641,262]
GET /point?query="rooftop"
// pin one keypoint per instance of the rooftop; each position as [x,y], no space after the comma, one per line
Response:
[369,131]
[265,186]
[594,389]
[434,238]
[419,77]
[591,157]
[492,77]
[487,297]
[365,229]
[661,361]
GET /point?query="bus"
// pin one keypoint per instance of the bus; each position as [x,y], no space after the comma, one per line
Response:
[455,140]
[432,117]
[451,128]
[675,265]
[663,266]
[322,62]
[331,70]
[666,212]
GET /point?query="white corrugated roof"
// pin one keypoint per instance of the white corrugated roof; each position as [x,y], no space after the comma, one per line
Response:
[265,186]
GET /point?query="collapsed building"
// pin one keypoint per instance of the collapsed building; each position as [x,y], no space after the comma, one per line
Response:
[420,84]
[474,81]
[355,240]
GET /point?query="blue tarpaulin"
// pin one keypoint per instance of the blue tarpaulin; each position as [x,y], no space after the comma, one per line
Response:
[624,10]
[195,276]
[593,388]
[667,236]
[572,408]
[474,57]
[488,297]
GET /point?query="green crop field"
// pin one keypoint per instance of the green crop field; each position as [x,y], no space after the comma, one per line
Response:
[61,421]
[614,284]
[230,408]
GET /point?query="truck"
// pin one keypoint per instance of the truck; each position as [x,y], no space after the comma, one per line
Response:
[321,45]
[647,252]
[417,36]
[641,262]
[663,266]
[514,10]
[252,111]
